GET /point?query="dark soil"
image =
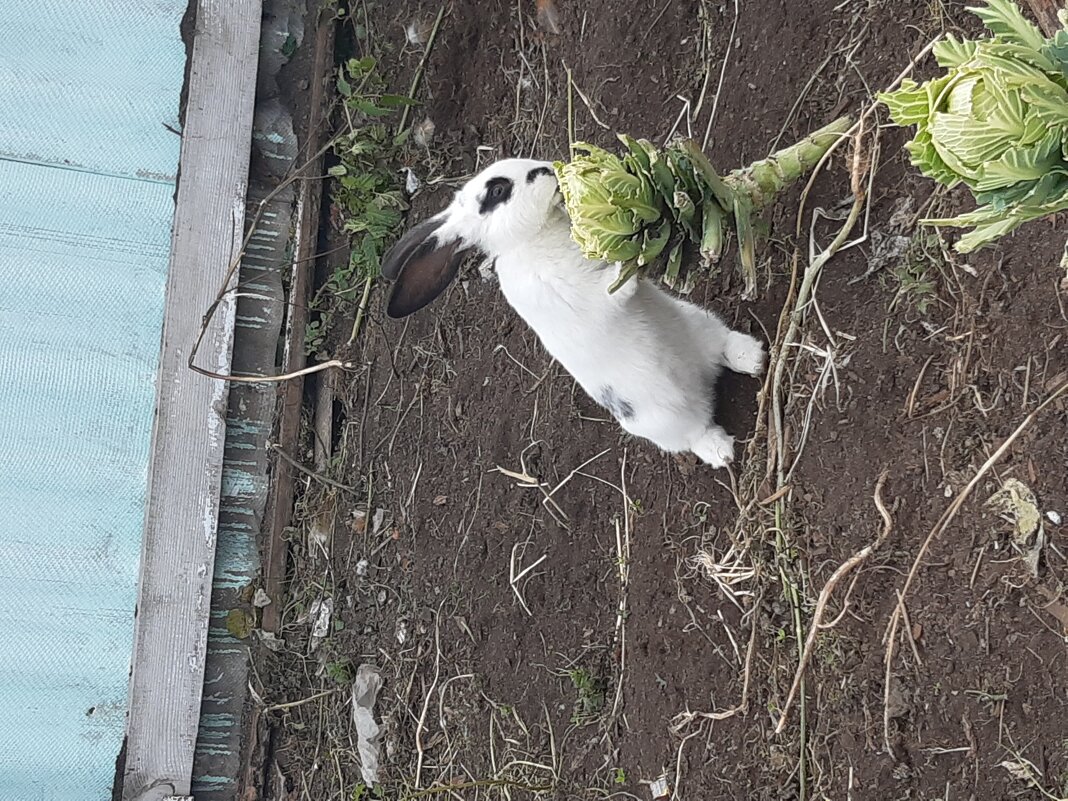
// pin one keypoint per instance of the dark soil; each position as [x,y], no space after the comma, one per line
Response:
[498,697]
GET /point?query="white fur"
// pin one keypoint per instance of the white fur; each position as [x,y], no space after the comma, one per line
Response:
[654,352]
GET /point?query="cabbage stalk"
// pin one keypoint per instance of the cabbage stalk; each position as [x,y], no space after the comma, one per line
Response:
[996,121]
[640,209]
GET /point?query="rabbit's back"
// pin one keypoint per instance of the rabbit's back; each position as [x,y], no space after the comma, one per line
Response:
[646,356]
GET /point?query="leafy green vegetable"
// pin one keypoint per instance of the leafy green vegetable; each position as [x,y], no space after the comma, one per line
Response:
[641,208]
[997,121]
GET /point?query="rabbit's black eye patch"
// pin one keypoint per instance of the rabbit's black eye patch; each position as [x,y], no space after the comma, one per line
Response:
[498,190]
[533,174]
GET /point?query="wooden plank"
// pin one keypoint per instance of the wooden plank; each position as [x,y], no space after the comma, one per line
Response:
[291,393]
[170,636]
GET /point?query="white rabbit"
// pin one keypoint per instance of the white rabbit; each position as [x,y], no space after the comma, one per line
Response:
[649,358]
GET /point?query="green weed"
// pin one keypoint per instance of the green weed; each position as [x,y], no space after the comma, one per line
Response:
[368,193]
[590,700]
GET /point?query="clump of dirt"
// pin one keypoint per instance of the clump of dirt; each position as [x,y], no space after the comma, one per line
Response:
[523,574]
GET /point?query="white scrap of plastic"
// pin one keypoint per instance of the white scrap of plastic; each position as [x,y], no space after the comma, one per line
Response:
[1054,517]
[364,694]
[659,788]
[321,626]
[411,181]
[261,599]
[271,641]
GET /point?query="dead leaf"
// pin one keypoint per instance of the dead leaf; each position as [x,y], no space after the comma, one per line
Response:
[1022,769]
[240,623]
[902,214]
[1059,378]
[1016,503]
[548,17]
[270,641]
[418,31]
[441,500]
[423,132]
[1055,607]
[359,522]
[378,520]
[1059,611]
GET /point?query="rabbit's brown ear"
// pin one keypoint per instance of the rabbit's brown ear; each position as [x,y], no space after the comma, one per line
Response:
[424,275]
[398,255]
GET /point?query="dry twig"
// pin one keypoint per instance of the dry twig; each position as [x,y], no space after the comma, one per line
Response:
[943,523]
[825,595]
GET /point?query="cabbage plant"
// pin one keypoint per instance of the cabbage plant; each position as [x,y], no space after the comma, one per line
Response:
[996,121]
[641,208]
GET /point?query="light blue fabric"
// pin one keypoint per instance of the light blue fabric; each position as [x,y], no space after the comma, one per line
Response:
[87,172]
[92,84]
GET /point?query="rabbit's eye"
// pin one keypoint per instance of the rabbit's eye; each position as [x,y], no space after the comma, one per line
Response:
[498,190]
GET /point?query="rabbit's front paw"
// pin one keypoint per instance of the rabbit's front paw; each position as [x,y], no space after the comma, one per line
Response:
[744,354]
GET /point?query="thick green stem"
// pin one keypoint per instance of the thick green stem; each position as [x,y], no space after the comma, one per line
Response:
[764,179]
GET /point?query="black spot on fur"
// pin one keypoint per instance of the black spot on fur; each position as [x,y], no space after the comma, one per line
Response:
[498,190]
[620,409]
[533,174]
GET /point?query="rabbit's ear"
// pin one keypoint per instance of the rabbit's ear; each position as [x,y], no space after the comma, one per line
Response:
[424,274]
[401,252]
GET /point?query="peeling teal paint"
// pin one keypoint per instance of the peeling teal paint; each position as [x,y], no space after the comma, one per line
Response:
[247,427]
[238,484]
[216,721]
[215,781]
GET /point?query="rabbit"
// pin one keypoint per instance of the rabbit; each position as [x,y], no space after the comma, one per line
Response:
[648,357]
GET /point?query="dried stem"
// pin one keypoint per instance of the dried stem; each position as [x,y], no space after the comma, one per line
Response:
[308,471]
[939,527]
[825,595]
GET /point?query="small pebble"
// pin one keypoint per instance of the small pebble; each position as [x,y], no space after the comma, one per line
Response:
[1054,517]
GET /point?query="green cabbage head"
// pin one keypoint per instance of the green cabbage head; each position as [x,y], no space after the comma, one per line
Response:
[615,211]
[996,121]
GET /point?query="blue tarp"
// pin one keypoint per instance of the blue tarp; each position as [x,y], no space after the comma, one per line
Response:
[87,169]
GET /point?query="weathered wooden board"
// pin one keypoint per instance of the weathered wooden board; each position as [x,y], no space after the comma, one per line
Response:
[291,394]
[167,676]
